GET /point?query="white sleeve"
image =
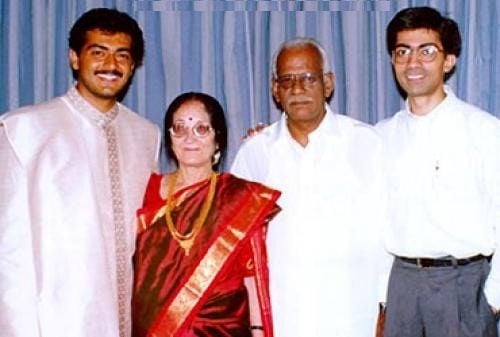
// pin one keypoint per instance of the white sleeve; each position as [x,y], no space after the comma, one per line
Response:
[492,286]
[18,310]
[385,259]
[156,164]
[249,162]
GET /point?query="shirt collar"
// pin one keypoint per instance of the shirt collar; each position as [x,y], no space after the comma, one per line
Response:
[438,110]
[85,108]
[328,126]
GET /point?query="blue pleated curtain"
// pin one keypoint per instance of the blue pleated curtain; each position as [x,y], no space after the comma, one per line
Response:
[225,48]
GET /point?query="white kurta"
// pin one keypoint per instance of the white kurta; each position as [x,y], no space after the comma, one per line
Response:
[327,265]
[57,222]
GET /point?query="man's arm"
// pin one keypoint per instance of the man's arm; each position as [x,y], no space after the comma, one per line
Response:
[156,164]
[386,259]
[18,309]
[250,161]
[492,286]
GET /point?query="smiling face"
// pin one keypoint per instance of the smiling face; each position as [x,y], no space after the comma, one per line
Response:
[418,78]
[193,150]
[104,66]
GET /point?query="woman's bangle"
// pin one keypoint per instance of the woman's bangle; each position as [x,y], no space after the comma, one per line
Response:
[256,327]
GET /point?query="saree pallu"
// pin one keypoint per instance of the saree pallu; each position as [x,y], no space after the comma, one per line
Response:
[202,294]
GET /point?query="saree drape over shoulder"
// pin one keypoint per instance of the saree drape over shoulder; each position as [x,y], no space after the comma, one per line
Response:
[203,293]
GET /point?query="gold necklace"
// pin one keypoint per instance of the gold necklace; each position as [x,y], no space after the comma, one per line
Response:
[186,240]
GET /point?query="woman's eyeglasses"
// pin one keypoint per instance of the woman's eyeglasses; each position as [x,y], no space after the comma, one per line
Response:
[200,130]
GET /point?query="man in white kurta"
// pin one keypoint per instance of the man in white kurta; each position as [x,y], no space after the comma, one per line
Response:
[72,175]
[327,264]
[57,229]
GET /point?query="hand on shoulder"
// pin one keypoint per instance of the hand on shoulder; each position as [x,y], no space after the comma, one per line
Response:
[254,131]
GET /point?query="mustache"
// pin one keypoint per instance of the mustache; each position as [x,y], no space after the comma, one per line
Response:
[109,72]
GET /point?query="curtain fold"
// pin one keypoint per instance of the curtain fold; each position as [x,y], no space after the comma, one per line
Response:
[225,48]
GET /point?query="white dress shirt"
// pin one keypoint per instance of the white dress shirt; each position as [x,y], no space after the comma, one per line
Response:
[71,179]
[327,265]
[444,184]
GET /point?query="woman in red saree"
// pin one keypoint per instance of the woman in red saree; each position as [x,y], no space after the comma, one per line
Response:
[200,261]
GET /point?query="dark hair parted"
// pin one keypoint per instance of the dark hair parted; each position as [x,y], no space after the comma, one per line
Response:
[427,18]
[110,21]
[215,113]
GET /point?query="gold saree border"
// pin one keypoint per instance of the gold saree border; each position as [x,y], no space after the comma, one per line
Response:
[171,318]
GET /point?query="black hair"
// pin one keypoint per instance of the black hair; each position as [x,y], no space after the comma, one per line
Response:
[427,18]
[215,113]
[110,21]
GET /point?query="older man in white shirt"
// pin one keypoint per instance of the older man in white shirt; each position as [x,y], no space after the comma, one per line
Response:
[327,264]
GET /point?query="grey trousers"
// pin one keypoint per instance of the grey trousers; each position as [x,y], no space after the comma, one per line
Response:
[438,301]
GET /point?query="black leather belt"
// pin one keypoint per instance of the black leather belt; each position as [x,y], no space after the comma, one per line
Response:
[444,262]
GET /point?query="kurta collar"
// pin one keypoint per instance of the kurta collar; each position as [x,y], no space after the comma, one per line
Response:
[84,107]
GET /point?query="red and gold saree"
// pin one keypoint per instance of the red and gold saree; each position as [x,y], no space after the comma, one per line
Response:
[202,294]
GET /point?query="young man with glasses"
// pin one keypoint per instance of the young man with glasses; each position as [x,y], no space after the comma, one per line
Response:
[444,190]
[326,262]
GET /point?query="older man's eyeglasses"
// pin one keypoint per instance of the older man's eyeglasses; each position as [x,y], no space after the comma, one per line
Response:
[200,130]
[425,53]
[306,80]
